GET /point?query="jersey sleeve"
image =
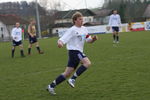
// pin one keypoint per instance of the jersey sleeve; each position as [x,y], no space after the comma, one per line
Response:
[88,36]
[110,21]
[67,36]
[29,29]
[87,32]
[119,20]
[13,33]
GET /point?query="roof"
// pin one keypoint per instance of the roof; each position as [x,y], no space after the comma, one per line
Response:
[70,24]
[102,12]
[147,12]
[62,25]
[12,19]
[69,13]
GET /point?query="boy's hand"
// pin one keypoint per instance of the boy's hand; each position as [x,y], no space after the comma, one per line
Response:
[60,44]
[94,38]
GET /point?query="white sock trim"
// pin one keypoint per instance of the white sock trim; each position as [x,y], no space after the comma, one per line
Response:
[75,74]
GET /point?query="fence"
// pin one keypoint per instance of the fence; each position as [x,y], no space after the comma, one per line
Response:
[102,29]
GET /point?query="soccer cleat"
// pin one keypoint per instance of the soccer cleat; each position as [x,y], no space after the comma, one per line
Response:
[71,82]
[41,52]
[51,90]
[117,42]
[12,56]
[23,56]
[114,41]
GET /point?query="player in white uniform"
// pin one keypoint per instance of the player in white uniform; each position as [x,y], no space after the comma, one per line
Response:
[17,39]
[115,23]
[74,39]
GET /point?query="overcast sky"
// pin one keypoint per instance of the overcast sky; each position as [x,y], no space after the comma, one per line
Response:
[73,4]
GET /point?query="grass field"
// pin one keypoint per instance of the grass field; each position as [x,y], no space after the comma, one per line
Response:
[118,72]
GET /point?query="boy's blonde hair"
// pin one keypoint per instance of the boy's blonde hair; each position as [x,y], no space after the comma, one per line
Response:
[75,16]
[32,19]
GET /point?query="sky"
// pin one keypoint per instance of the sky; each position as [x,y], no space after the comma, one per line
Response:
[73,4]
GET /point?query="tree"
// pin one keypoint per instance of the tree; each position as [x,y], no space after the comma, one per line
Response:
[130,10]
[52,4]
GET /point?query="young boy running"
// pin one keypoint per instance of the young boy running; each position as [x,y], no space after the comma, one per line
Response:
[74,39]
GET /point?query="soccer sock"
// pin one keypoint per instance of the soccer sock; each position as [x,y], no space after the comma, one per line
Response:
[58,80]
[79,71]
[13,51]
[117,38]
[114,37]
[21,52]
[38,48]
[29,50]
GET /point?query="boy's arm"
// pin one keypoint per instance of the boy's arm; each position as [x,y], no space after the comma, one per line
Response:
[119,20]
[65,38]
[110,20]
[29,31]
[13,34]
[60,44]
[90,39]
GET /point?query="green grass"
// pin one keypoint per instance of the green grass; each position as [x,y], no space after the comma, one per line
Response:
[118,72]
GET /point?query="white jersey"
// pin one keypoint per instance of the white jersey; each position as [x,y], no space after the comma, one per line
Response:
[16,34]
[115,20]
[75,38]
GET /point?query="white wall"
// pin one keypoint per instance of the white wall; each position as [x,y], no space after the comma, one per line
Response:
[63,21]
[103,20]
[3,30]
[88,19]
[59,30]
[101,29]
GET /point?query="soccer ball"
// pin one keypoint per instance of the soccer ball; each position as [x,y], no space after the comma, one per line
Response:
[108,28]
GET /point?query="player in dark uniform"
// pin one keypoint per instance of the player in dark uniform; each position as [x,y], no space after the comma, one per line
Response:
[32,37]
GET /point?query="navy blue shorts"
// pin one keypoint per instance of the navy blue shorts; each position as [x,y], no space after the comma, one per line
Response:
[15,43]
[75,57]
[32,39]
[115,29]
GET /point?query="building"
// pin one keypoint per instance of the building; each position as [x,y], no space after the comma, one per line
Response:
[147,13]
[102,16]
[7,22]
[63,19]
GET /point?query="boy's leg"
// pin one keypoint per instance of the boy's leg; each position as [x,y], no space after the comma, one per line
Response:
[85,65]
[29,49]
[117,34]
[114,34]
[114,37]
[13,51]
[60,79]
[38,48]
[117,37]
[21,50]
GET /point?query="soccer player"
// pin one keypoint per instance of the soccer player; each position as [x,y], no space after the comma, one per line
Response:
[32,37]
[17,39]
[74,38]
[115,23]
